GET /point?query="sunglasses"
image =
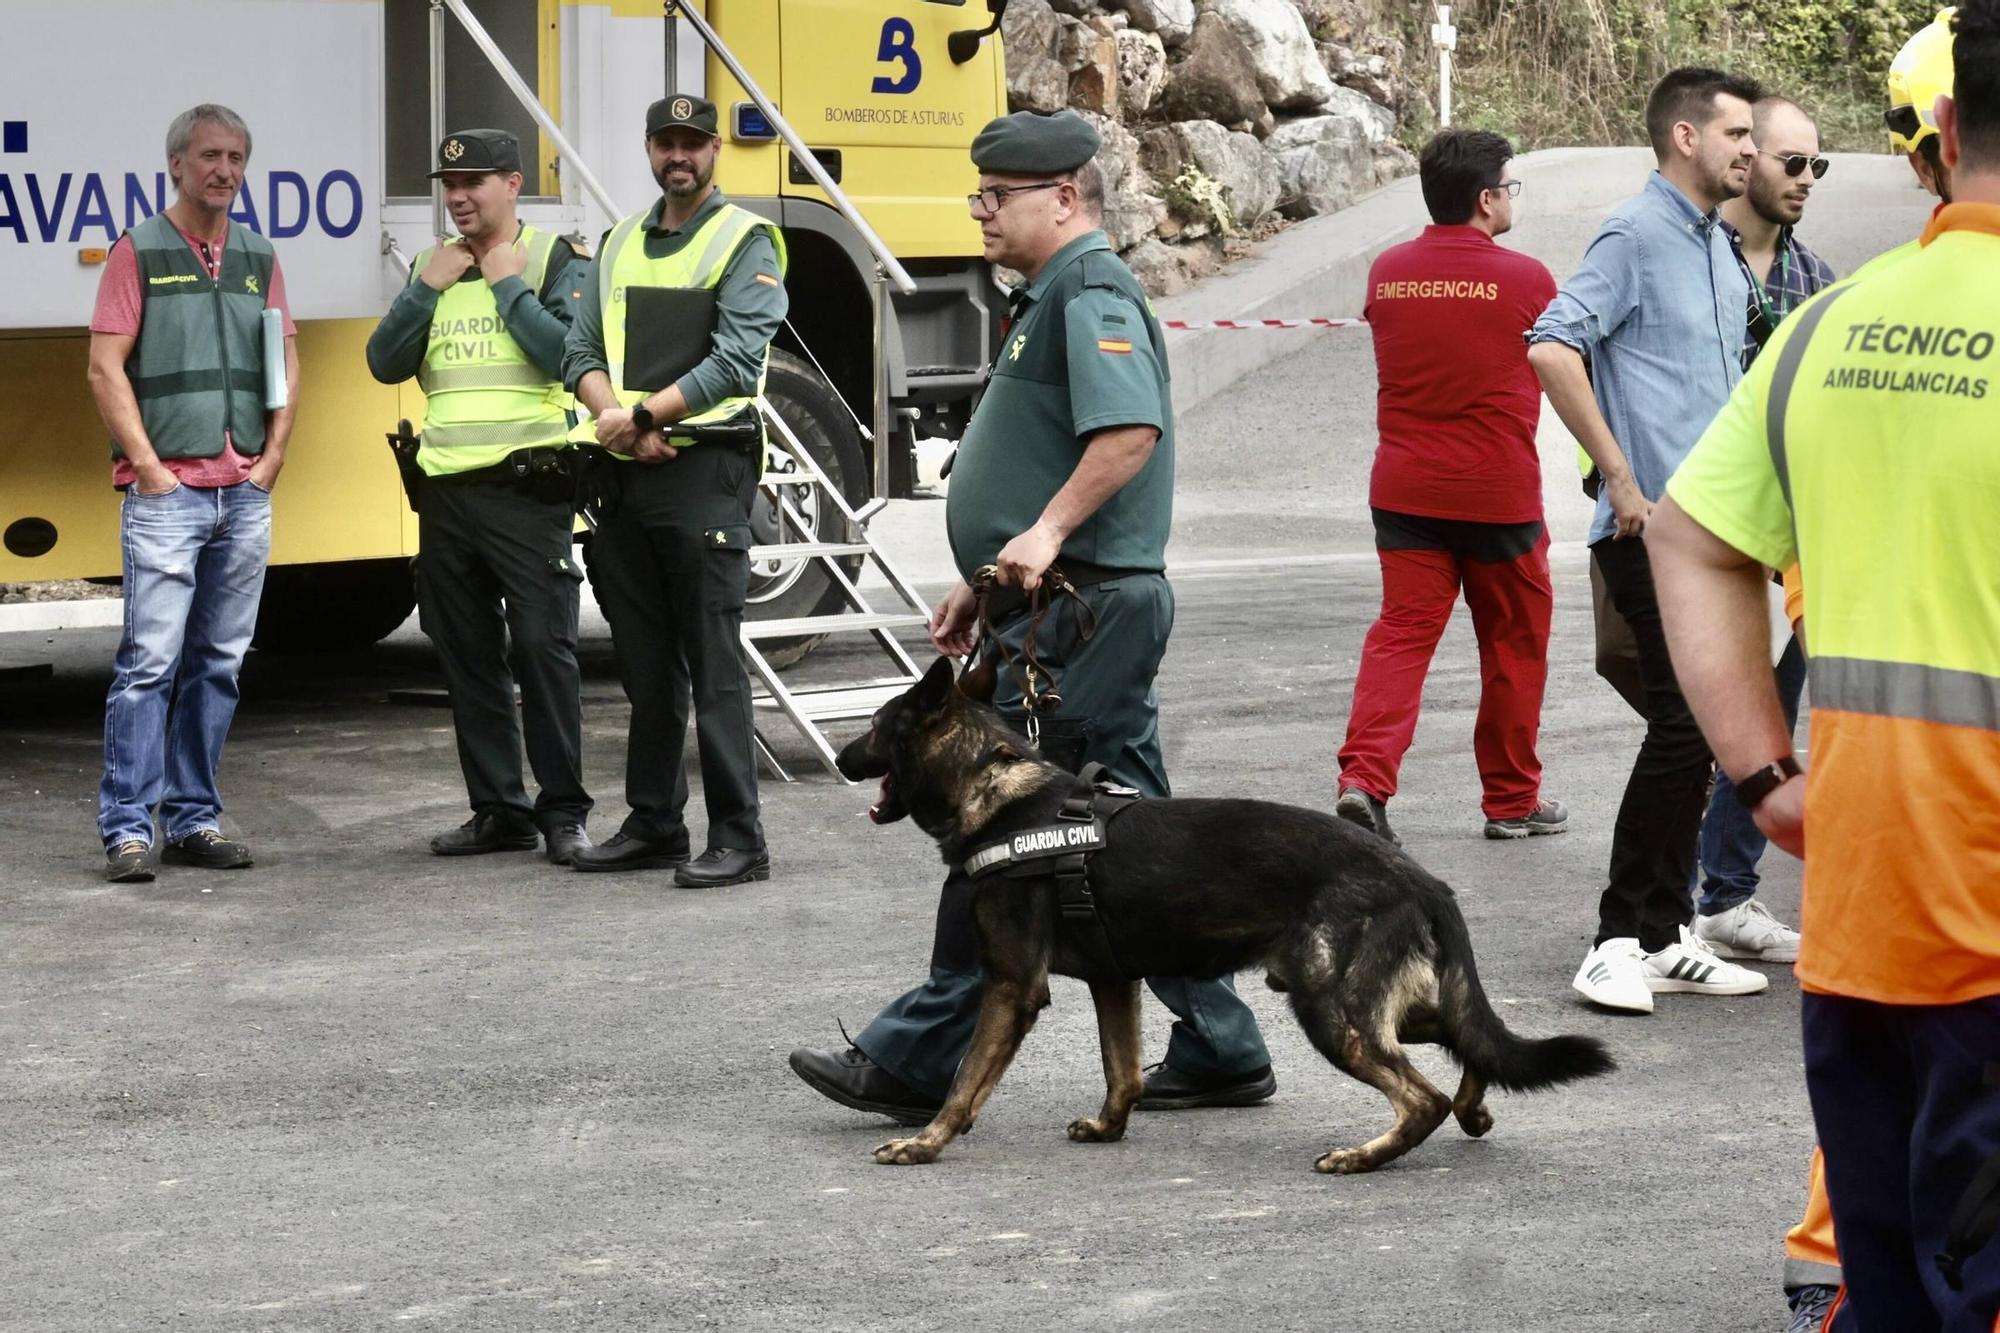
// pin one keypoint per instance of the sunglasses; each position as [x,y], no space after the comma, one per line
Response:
[1796,163]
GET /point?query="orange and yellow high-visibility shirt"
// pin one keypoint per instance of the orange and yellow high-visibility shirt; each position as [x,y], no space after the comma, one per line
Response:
[1865,441]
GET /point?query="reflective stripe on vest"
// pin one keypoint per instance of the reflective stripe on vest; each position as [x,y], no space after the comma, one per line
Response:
[197,366]
[484,397]
[1907,690]
[1782,380]
[699,263]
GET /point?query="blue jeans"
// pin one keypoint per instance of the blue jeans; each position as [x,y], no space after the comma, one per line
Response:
[194,571]
[1730,844]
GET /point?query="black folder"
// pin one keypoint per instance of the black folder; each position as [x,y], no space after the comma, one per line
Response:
[668,332]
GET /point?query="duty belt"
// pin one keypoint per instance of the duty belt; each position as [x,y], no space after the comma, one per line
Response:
[523,465]
[1063,849]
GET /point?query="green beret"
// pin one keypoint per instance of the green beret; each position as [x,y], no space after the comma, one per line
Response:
[1026,144]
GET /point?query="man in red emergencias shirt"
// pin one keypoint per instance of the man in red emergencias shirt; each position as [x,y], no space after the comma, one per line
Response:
[1457,490]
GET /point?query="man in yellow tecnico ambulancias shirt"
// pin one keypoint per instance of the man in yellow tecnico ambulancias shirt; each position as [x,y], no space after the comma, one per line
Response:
[1861,442]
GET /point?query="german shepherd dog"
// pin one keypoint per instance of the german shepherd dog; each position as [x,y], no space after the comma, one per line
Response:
[1370,949]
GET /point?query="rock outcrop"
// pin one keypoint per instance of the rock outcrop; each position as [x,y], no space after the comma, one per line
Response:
[1220,118]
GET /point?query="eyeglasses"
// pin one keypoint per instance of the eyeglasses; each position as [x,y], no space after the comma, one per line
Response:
[1512,189]
[994,197]
[1796,163]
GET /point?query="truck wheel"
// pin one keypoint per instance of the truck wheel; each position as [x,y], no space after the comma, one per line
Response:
[782,589]
[333,607]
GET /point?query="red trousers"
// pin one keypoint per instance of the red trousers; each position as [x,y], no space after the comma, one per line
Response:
[1503,570]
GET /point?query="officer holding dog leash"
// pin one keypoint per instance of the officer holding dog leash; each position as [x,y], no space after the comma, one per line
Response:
[481,327]
[1068,462]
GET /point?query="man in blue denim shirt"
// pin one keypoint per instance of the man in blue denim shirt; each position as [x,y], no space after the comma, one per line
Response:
[1658,307]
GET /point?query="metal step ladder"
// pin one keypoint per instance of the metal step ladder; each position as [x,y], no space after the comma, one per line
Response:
[808,707]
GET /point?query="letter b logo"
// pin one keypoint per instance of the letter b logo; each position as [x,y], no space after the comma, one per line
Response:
[899,44]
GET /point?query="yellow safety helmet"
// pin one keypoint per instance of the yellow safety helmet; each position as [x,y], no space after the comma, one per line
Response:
[1919,75]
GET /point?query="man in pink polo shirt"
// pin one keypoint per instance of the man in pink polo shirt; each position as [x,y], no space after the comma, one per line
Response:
[177,370]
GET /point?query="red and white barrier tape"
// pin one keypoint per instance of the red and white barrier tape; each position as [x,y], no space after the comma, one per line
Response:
[1192,325]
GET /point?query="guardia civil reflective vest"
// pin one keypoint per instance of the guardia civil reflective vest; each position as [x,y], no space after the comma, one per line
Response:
[484,396]
[197,368]
[698,263]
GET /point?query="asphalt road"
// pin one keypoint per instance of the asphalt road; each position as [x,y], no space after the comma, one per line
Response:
[359,1086]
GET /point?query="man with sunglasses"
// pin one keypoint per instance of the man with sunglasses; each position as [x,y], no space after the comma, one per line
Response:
[1782,273]
[1068,461]
[1760,223]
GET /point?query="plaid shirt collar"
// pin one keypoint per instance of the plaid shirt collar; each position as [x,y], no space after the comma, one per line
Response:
[1796,274]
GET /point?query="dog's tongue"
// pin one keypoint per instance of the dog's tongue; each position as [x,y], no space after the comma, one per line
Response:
[883,796]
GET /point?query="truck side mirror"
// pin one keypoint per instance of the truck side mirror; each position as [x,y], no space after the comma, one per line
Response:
[963,45]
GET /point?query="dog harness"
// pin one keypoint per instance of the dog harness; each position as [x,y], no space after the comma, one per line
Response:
[1063,849]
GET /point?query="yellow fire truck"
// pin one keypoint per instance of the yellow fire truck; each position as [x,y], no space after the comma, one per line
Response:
[343,98]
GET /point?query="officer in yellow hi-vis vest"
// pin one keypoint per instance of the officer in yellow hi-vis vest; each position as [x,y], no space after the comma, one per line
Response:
[670,560]
[481,326]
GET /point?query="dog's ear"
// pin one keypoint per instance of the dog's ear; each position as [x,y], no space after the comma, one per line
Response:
[934,690]
[1006,752]
[978,681]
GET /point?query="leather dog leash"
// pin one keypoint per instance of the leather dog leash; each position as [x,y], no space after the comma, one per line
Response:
[1036,681]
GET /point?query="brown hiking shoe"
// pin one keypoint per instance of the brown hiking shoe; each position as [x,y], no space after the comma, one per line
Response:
[207,849]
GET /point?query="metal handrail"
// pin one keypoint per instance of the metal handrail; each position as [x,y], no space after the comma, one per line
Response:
[529,102]
[505,69]
[890,264]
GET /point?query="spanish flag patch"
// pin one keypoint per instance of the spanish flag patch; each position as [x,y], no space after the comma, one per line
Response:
[1116,346]
[769,280]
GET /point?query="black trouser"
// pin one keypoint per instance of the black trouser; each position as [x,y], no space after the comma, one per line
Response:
[1906,1103]
[1653,842]
[671,565]
[497,585]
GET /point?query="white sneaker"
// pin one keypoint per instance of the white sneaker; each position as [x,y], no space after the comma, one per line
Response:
[1613,975]
[1747,930]
[1693,967]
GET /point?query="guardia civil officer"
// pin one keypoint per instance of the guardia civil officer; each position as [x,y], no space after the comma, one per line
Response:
[670,560]
[481,326]
[1068,459]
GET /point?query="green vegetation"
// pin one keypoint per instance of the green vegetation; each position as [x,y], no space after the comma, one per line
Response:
[1194,196]
[1548,72]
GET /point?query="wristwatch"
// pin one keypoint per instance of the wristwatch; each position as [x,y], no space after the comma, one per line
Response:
[1752,790]
[642,420]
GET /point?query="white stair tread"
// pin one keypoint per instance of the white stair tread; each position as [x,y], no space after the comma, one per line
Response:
[835,624]
[805,550]
[826,705]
